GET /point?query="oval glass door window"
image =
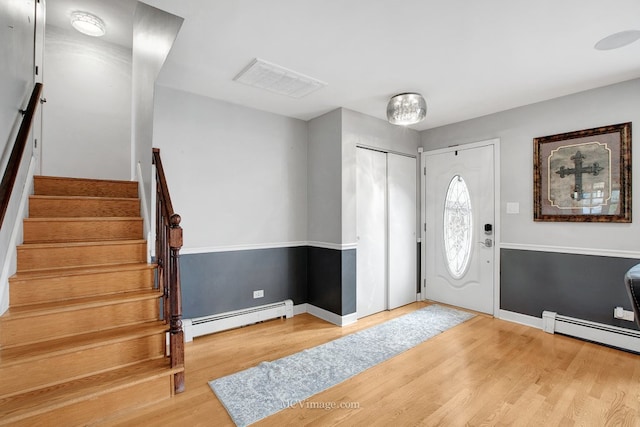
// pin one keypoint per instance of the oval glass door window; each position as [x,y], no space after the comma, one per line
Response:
[457,227]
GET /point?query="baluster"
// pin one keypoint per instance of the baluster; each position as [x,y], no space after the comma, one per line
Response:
[176,338]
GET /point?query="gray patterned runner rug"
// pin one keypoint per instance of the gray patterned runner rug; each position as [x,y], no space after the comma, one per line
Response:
[269,387]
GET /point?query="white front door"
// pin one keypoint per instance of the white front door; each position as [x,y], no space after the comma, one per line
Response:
[459,220]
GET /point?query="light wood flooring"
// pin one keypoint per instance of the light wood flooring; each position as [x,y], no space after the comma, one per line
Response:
[483,372]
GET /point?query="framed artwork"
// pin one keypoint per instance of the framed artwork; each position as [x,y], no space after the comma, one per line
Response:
[583,176]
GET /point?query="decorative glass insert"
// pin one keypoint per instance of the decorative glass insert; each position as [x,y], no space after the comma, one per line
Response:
[457,227]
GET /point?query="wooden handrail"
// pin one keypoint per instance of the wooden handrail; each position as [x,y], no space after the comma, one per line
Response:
[168,245]
[13,166]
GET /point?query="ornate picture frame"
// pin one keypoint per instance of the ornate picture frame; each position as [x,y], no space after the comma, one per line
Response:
[583,176]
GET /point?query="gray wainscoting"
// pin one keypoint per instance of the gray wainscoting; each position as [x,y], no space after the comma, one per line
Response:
[218,282]
[582,286]
[332,280]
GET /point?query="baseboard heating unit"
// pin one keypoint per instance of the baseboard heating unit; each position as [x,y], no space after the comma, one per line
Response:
[628,339]
[234,319]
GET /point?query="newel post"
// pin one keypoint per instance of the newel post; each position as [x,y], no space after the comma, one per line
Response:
[175,322]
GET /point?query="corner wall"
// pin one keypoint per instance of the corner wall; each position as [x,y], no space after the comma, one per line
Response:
[333,139]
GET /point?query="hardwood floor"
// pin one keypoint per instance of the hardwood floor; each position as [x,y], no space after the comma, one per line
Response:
[483,372]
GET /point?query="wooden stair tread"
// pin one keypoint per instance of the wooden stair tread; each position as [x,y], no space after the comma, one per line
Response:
[19,312]
[32,352]
[82,270]
[49,185]
[80,244]
[84,218]
[44,197]
[86,180]
[15,408]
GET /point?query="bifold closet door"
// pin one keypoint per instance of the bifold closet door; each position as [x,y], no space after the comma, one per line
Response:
[371,259]
[402,243]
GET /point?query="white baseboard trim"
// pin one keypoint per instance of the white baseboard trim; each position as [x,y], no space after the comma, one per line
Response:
[188,327]
[330,317]
[522,319]
[299,309]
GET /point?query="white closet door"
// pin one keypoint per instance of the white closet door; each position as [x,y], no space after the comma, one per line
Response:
[402,260]
[371,260]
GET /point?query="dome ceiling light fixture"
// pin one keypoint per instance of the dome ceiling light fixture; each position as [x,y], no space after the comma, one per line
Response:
[618,40]
[406,109]
[88,24]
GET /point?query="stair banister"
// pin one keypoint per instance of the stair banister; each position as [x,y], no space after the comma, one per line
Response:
[168,245]
[13,165]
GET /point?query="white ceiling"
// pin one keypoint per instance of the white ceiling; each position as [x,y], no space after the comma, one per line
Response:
[116,14]
[468,58]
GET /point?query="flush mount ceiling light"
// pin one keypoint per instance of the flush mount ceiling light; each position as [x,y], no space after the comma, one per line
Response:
[406,109]
[617,40]
[265,75]
[88,24]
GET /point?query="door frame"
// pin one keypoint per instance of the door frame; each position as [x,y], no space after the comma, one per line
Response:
[495,143]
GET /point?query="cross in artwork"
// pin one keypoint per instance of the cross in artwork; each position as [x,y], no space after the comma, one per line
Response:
[578,170]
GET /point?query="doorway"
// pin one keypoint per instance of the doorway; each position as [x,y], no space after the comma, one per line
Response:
[460,226]
[386,204]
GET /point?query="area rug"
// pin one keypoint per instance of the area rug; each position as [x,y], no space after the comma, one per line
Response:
[269,387]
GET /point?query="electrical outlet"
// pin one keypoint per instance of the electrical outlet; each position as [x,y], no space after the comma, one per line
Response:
[620,313]
[258,294]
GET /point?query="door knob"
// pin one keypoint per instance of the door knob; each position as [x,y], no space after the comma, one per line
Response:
[488,243]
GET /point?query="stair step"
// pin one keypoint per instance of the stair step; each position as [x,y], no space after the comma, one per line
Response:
[51,362]
[91,399]
[41,286]
[72,206]
[41,322]
[60,186]
[44,230]
[39,256]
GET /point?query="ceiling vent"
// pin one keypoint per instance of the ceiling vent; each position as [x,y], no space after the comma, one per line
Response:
[275,78]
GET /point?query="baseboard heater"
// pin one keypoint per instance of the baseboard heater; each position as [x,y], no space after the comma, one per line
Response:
[628,339]
[235,319]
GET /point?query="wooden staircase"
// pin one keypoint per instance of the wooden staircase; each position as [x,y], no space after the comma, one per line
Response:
[82,340]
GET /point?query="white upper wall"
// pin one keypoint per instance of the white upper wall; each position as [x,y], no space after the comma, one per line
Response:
[325,176]
[86,128]
[16,69]
[237,176]
[516,129]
